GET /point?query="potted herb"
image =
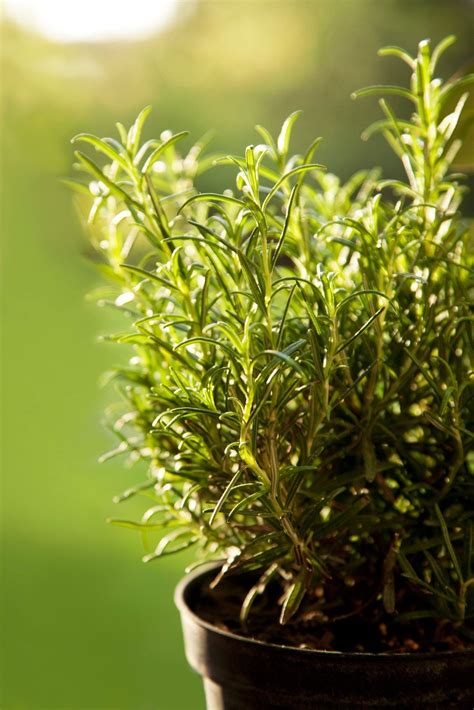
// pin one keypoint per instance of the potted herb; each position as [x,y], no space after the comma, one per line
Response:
[300,387]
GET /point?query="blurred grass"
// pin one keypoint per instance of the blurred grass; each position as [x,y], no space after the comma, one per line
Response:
[86,626]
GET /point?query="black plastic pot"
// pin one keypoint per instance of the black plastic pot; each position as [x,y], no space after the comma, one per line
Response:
[244,674]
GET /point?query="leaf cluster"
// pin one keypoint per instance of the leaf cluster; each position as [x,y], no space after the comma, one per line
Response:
[299,380]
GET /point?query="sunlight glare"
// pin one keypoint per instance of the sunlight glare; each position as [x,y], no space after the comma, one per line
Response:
[92,20]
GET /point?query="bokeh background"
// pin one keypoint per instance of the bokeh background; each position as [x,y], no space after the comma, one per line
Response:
[87,626]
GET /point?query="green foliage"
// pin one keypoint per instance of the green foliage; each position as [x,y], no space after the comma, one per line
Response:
[299,382]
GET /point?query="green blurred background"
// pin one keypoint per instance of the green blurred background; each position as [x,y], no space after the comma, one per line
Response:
[85,624]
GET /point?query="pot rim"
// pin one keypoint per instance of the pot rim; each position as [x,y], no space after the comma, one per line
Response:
[183,607]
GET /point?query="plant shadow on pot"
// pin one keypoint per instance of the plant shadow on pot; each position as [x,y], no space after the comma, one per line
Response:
[241,673]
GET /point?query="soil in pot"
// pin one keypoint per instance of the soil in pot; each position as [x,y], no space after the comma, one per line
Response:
[369,629]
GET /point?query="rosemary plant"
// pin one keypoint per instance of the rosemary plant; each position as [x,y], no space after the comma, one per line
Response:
[299,378]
